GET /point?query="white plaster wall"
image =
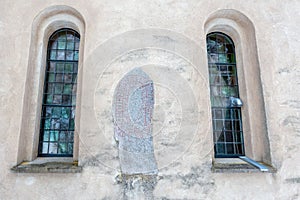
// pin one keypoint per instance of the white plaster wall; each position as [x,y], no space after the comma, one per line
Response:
[187,176]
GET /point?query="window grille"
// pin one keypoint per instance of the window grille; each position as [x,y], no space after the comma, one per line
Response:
[59,97]
[224,96]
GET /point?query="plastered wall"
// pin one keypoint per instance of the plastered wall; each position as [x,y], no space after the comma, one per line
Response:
[166,39]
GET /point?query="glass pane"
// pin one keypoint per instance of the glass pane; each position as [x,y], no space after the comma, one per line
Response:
[68,89]
[46,136]
[53,55]
[227,122]
[221,137]
[74,89]
[49,88]
[69,55]
[60,55]
[223,58]
[70,46]
[221,48]
[55,124]
[218,124]
[73,100]
[70,36]
[66,112]
[229,148]
[237,125]
[76,46]
[56,112]
[59,78]
[53,148]
[76,55]
[53,136]
[231,58]
[228,137]
[62,148]
[72,124]
[61,44]
[68,67]
[228,125]
[61,35]
[47,124]
[58,88]
[45,147]
[239,148]
[73,112]
[75,68]
[74,78]
[54,45]
[66,99]
[57,99]
[64,123]
[49,99]
[217,114]
[48,111]
[71,136]
[220,148]
[217,135]
[52,67]
[62,136]
[60,67]
[68,78]
[70,148]
[51,77]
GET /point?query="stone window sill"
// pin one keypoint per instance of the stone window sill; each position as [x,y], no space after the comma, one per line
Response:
[48,165]
[236,165]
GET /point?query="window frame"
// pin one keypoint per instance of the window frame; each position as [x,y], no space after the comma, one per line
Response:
[74,61]
[242,31]
[44,25]
[231,131]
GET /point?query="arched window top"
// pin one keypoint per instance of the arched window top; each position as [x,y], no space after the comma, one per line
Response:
[220,48]
[64,45]
[225,102]
[59,99]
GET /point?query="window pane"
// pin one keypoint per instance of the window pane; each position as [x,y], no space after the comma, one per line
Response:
[45,147]
[53,55]
[68,78]
[46,136]
[60,55]
[69,55]
[68,67]
[76,55]
[59,99]
[59,67]
[70,46]
[53,148]
[62,136]
[61,44]
[227,121]
[51,77]
[68,89]
[62,148]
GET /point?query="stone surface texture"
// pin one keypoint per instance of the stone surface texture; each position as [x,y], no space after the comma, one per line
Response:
[132,112]
[167,41]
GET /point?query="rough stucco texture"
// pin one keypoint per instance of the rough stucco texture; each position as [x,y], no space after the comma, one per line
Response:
[165,39]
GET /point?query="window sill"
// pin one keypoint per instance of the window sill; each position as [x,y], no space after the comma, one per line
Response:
[48,165]
[236,165]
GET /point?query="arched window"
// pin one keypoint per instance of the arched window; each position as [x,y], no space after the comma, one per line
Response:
[59,97]
[224,95]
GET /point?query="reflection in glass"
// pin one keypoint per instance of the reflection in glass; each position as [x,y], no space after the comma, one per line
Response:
[58,109]
[227,121]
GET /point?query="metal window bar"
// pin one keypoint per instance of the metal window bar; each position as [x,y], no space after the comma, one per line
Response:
[59,99]
[227,119]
